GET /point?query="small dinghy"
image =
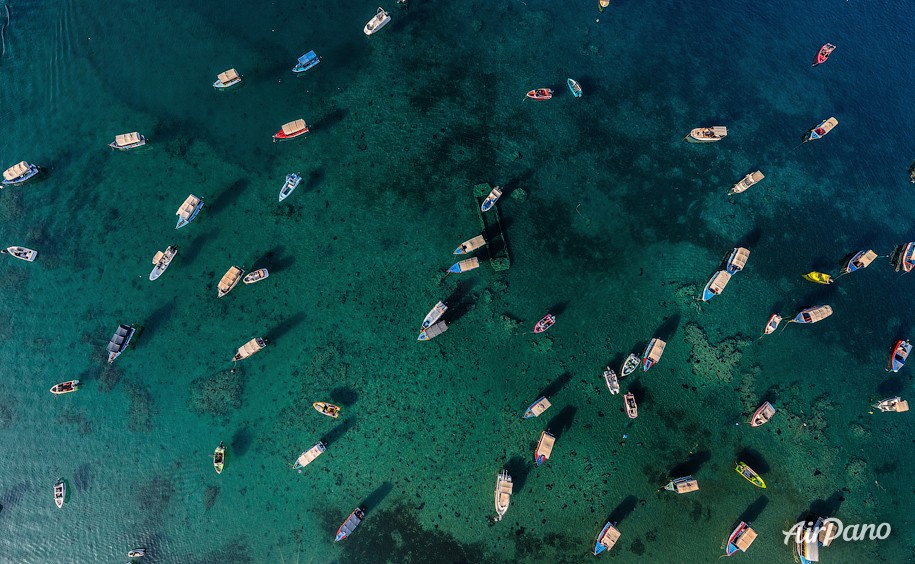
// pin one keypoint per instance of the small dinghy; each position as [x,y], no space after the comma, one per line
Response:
[602,5]
[137,553]
[823,54]
[228,281]
[327,409]
[464,265]
[291,130]
[380,20]
[292,180]
[307,61]
[127,141]
[434,315]
[737,260]
[896,404]
[219,457]
[188,210]
[574,87]
[861,259]
[309,455]
[741,539]
[19,173]
[470,245]
[227,79]
[898,355]
[544,448]
[537,408]
[613,383]
[683,485]
[253,346]
[606,538]
[356,517]
[762,415]
[750,475]
[545,323]
[632,408]
[503,494]
[772,324]
[491,199]
[813,314]
[21,253]
[630,365]
[119,341]
[715,285]
[433,331]
[903,257]
[653,353]
[540,94]
[256,276]
[819,131]
[707,134]
[60,492]
[161,261]
[818,278]
[746,182]
[65,387]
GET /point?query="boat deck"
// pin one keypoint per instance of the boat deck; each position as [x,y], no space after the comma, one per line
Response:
[492,230]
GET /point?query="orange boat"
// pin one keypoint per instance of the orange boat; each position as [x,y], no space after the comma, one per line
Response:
[327,409]
[823,54]
[540,94]
[291,130]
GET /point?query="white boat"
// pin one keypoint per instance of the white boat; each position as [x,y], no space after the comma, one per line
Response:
[60,492]
[491,199]
[161,261]
[896,404]
[613,383]
[380,20]
[630,365]
[433,331]
[136,553]
[746,182]
[434,315]
[503,494]
[292,180]
[707,134]
[19,173]
[309,455]
[188,210]
[228,281]
[127,141]
[249,348]
[256,276]
[21,253]
[227,79]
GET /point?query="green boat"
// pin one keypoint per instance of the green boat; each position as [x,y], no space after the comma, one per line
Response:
[492,229]
[750,475]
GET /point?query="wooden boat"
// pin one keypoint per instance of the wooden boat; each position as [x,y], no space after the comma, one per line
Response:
[227,79]
[818,278]
[823,54]
[19,173]
[228,281]
[772,324]
[737,260]
[545,323]
[544,447]
[434,315]
[896,404]
[707,134]
[537,408]
[292,180]
[606,538]
[219,457]
[630,365]
[491,199]
[741,539]
[574,87]
[327,409]
[819,131]
[613,383]
[903,257]
[60,492]
[750,475]
[464,265]
[861,259]
[746,182]
[380,20]
[807,544]
[119,341]
[898,355]
[682,485]
[255,276]
[653,353]
[291,130]
[161,260]
[188,210]
[253,346]
[540,94]
[715,285]
[812,314]
[21,253]
[307,61]
[65,387]
[127,141]
[136,553]
[309,455]
[602,5]
[503,493]
[632,409]
[762,415]
[470,245]
[433,331]
[356,517]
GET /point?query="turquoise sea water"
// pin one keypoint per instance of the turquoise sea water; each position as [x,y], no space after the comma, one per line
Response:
[623,224]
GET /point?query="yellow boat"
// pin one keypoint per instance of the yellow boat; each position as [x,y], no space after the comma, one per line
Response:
[602,4]
[327,409]
[750,475]
[818,278]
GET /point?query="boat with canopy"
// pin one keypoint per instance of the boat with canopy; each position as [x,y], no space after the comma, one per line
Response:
[470,245]
[228,281]
[823,54]
[632,408]
[544,447]
[653,353]
[741,539]
[161,260]
[309,455]
[537,408]
[307,61]
[821,130]
[545,323]
[630,365]
[253,346]
[433,331]
[65,387]
[227,79]
[772,324]
[380,20]
[813,314]
[119,341]
[292,181]
[898,355]
[745,183]
[491,199]
[188,210]
[819,278]
[574,87]
[683,485]
[464,265]
[737,260]
[750,475]
[612,381]
[861,259]
[762,415]
[707,134]
[19,173]
[348,526]
[21,253]
[291,130]
[606,538]
[807,545]
[256,276]
[715,285]
[540,94]
[503,493]
[896,405]
[127,141]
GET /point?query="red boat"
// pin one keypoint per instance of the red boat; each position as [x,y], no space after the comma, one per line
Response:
[540,94]
[545,323]
[823,54]
[291,130]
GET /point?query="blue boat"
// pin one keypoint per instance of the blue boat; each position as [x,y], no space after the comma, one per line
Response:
[716,285]
[537,408]
[574,87]
[307,61]
[607,538]
[19,173]
[188,211]
[861,259]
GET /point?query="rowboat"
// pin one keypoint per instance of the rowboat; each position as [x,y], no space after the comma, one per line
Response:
[380,20]
[898,355]
[21,253]
[715,285]
[434,315]
[503,493]
[772,324]
[161,260]
[537,408]
[19,173]
[737,260]
[812,314]
[228,281]
[903,257]
[630,365]
[606,538]
[65,387]
[491,199]
[219,457]
[188,210]
[356,517]
[750,475]
[632,409]
[602,4]
[470,245]
[60,492]
[861,259]
[746,182]
[256,276]
[682,485]
[741,539]
[309,455]
[544,447]
[707,134]
[136,553]
[762,415]
[127,141]
[820,130]
[818,277]
[291,130]
[119,341]
[327,409]
[292,180]
[653,353]
[540,94]
[545,323]
[464,265]
[574,87]
[433,331]
[896,404]
[823,54]
[307,61]
[227,79]
[613,383]
[253,346]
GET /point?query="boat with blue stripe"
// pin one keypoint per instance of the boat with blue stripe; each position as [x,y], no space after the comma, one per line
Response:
[574,87]
[606,538]
[307,61]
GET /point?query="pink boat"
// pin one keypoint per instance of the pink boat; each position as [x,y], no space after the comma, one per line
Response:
[823,54]
[545,323]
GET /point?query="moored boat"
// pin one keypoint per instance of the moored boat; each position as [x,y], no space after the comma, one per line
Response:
[434,315]
[540,94]
[433,331]
[898,355]
[912,172]
[503,493]
[136,553]
[227,79]
[741,539]
[491,199]
[327,409]
[682,485]
[356,517]
[380,20]
[632,408]
[823,54]
[544,447]
[602,5]
[574,87]
[253,346]
[21,253]
[470,245]
[307,61]
[309,455]
[772,324]
[707,134]
[188,210]
[545,323]
[613,383]
[60,492]
[119,341]
[630,365]
[606,538]
[807,545]
[715,285]
[819,278]
[256,276]
[19,173]
[737,260]
[762,415]
[127,141]
[65,387]
[161,261]
[896,404]
[861,259]
[464,265]
[228,281]
[291,130]
[750,475]
[746,182]
[537,408]
[219,457]
[292,181]
[819,131]
[903,257]
[653,353]
[813,314]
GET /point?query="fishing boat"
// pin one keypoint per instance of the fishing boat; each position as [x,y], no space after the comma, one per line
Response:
[707,134]
[464,265]
[653,353]
[574,87]
[807,544]
[291,130]
[65,387]
[812,314]
[491,199]
[613,383]
[545,323]
[818,278]
[227,79]
[433,331]
[544,447]
[602,5]
[741,539]
[136,553]
[772,324]
[896,404]
[540,94]
[630,365]
[161,260]
[537,408]
[606,538]
[750,475]
[327,409]
[380,20]
[292,180]
[470,245]
[434,315]
[746,182]
[255,276]
[762,415]
[632,409]
[861,259]
[253,346]
[356,517]
[21,253]
[737,260]
[60,492]
[820,130]
[188,210]
[503,493]
[715,285]
[898,355]
[682,485]
[219,457]
[903,257]
[127,141]
[307,61]
[19,173]
[823,54]
[309,455]
[119,341]
[228,281]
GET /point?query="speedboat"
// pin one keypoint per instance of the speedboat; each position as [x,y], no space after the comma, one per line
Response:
[127,141]
[327,409]
[470,245]
[574,87]
[219,457]
[823,54]
[653,353]
[60,492]
[545,323]
[772,324]
[613,383]
[707,134]
[503,493]
[812,314]
[630,365]
[737,260]
[228,281]
[188,210]
[21,253]
[632,408]
[741,539]
[292,180]
[750,475]
[356,517]
[253,346]
[291,130]
[161,261]
[307,61]
[309,455]
[434,315]
[762,415]
[818,278]
[820,130]
[715,285]
[861,259]
[746,182]
[256,276]
[380,20]
[119,341]
[464,265]
[896,404]
[65,387]
[537,408]
[682,485]
[544,447]
[903,257]
[137,553]
[540,94]
[433,331]
[19,173]
[227,79]
[491,199]
[900,352]
[606,538]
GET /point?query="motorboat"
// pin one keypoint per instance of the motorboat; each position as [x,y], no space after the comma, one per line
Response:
[434,315]
[219,457]
[896,404]
[21,253]
[464,265]
[19,173]
[632,408]
[737,260]
[613,383]
[433,331]
[228,281]
[503,494]
[630,365]
[65,387]
[227,79]
[812,314]
[707,134]
[746,182]
[762,415]
[292,181]
[60,492]
[903,257]
[119,341]
[545,323]
[821,130]
[653,353]
[136,553]
[682,485]
[544,447]
[348,526]
[380,20]
[307,61]
[861,259]
[898,355]
[161,260]
[602,5]
[540,94]
[772,324]
[491,199]
[327,409]
[470,245]
[127,141]
[309,455]
[606,538]
[715,285]
[188,210]
[291,130]
[256,276]
[537,408]
[750,475]
[574,87]
[741,539]
[253,346]
[818,278]
[807,545]
[823,54]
